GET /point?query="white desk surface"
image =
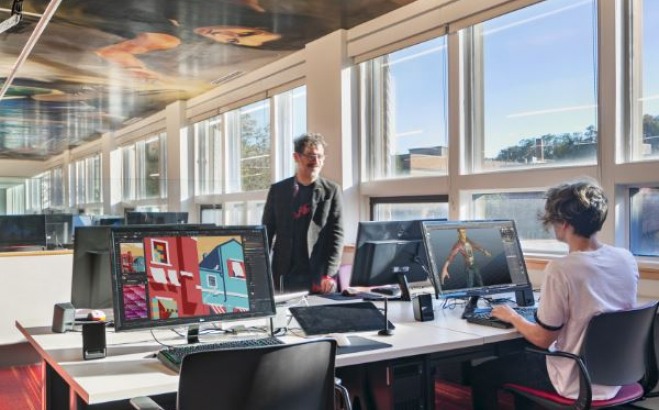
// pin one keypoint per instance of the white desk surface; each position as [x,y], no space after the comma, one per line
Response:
[130,368]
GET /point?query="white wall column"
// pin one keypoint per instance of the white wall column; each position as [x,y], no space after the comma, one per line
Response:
[329,105]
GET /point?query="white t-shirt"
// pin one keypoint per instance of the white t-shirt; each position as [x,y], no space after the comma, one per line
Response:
[575,288]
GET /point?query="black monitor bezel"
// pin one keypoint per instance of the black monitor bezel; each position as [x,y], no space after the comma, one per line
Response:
[142,231]
[477,290]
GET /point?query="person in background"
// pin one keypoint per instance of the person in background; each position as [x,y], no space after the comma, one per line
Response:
[303,218]
[592,278]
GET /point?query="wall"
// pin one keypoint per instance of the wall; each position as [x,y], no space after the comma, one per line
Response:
[31,285]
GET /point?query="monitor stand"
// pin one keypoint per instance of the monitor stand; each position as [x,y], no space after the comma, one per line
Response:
[470,307]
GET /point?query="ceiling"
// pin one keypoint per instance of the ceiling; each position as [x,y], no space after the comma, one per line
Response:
[100,63]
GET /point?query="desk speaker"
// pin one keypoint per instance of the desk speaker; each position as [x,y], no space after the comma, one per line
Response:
[93,340]
[64,315]
[422,306]
[524,297]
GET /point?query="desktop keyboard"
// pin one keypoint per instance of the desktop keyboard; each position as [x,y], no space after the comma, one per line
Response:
[482,316]
[172,356]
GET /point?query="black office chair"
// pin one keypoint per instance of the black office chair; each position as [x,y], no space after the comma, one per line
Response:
[286,377]
[618,350]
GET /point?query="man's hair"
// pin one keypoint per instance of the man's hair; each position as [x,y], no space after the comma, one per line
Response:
[306,140]
[582,204]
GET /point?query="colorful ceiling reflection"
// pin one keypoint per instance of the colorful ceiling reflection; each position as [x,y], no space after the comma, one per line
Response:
[101,63]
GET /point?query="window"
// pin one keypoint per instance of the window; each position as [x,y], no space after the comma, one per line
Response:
[645,80]
[212,214]
[534,96]
[248,147]
[404,112]
[524,208]
[144,169]
[86,182]
[409,208]
[644,232]
[208,156]
[291,122]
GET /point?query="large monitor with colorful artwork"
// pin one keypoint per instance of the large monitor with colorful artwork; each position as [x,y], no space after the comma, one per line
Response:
[166,277]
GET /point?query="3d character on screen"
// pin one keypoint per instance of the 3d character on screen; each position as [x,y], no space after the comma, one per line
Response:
[466,247]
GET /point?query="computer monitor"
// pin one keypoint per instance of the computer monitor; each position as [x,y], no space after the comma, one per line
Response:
[22,231]
[59,230]
[91,282]
[111,221]
[475,258]
[156,218]
[167,277]
[386,249]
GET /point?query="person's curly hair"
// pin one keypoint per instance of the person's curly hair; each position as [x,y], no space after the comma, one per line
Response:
[582,204]
[306,140]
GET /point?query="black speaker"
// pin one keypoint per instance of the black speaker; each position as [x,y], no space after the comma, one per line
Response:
[422,306]
[64,316]
[93,340]
[524,297]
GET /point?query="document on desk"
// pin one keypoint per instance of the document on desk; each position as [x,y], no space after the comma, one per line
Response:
[339,318]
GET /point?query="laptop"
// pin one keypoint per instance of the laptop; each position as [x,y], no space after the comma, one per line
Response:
[339,318]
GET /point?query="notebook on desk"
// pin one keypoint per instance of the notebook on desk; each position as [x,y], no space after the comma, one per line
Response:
[339,318]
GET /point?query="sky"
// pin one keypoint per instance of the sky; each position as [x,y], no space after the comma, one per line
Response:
[540,76]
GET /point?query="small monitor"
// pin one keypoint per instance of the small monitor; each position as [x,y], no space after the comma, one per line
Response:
[156,218]
[91,283]
[167,277]
[110,221]
[22,231]
[475,258]
[59,230]
[386,249]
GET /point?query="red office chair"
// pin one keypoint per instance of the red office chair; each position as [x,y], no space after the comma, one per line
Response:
[618,350]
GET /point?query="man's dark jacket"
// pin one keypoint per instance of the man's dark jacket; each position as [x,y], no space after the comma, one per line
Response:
[325,233]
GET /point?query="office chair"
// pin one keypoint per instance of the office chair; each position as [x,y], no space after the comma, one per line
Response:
[283,377]
[618,350]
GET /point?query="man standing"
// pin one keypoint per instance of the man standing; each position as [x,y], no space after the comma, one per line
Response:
[303,217]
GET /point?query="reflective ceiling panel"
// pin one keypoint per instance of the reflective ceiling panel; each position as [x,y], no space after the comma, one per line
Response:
[101,63]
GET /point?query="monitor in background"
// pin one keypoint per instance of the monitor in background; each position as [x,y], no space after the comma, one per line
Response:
[91,282]
[386,249]
[110,221]
[188,277]
[156,218]
[475,258]
[59,230]
[22,231]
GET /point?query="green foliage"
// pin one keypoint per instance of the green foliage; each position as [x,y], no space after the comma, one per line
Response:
[255,154]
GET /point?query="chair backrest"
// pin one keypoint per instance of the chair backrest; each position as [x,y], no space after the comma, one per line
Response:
[291,376]
[618,348]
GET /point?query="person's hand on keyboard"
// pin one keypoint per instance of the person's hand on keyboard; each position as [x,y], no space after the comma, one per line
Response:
[504,312]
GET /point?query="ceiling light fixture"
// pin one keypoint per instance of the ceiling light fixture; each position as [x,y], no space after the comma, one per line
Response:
[227,77]
[31,42]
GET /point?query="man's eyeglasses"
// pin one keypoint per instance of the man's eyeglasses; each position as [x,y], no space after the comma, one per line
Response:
[318,157]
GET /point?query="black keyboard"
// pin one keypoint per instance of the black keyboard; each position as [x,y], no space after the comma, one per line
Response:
[481,316]
[172,356]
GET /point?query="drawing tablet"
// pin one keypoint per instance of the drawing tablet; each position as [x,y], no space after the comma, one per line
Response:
[339,318]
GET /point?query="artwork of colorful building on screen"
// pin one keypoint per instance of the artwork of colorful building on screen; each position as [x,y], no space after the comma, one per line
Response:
[187,277]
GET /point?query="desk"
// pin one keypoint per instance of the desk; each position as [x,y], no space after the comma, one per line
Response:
[130,369]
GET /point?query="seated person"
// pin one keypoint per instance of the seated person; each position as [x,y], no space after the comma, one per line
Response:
[592,278]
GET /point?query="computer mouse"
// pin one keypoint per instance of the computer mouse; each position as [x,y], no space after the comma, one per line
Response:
[96,315]
[341,339]
[349,292]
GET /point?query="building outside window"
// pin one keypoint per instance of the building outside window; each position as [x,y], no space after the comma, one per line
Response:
[404,112]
